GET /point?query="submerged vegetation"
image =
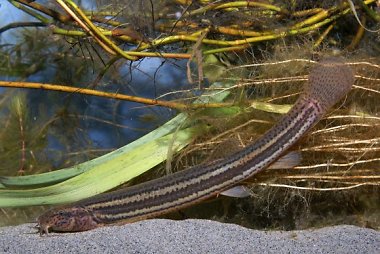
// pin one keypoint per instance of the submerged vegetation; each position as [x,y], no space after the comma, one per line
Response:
[247,62]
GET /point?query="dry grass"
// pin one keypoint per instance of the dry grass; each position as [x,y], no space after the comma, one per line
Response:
[340,156]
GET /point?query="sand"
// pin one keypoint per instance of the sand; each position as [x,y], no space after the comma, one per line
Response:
[190,236]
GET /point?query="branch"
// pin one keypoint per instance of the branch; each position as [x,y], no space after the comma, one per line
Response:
[69,89]
[21,24]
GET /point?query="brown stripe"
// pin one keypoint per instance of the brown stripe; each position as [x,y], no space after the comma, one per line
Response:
[328,82]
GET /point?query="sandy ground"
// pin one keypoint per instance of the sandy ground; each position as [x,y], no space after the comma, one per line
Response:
[190,236]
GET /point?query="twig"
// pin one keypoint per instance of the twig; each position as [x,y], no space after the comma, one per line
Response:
[68,89]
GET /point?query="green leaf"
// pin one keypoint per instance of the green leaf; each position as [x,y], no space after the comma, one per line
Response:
[64,174]
[108,171]
[111,173]
[57,176]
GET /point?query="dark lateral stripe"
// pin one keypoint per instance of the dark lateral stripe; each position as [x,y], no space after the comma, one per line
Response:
[187,187]
[328,82]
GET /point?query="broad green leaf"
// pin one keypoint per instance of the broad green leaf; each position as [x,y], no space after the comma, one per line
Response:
[108,171]
[111,173]
[64,174]
[44,179]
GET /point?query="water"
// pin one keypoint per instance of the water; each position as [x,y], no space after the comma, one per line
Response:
[61,129]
